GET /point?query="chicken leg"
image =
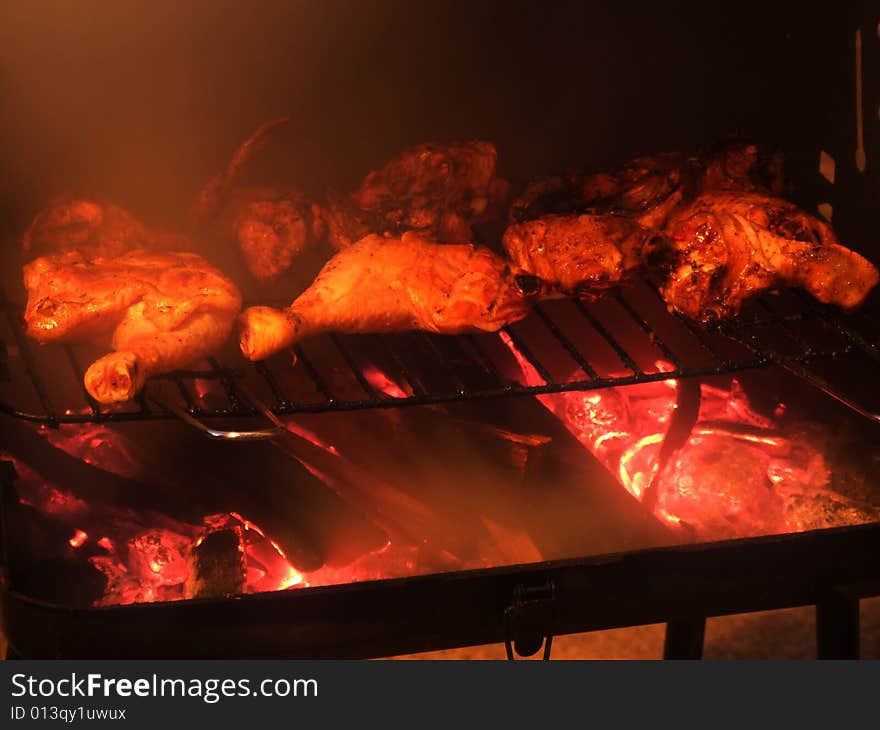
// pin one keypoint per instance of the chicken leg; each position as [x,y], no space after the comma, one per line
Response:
[394,285]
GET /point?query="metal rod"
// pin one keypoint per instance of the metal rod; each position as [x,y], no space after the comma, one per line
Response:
[461,388]
[358,373]
[483,358]
[648,330]
[187,398]
[402,370]
[700,336]
[575,354]
[624,356]
[227,383]
[313,373]
[416,400]
[758,355]
[29,364]
[526,352]
[220,434]
[79,374]
[281,400]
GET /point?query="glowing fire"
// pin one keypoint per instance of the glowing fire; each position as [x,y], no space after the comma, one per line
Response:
[148,557]
[736,476]
[78,540]
[381,382]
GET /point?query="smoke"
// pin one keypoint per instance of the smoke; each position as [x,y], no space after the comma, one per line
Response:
[143,101]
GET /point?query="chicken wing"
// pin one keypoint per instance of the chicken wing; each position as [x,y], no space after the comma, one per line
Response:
[164,311]
[726,247]
[578,254]
[394,285]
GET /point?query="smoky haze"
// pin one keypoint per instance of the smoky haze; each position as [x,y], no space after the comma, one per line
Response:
[141,102]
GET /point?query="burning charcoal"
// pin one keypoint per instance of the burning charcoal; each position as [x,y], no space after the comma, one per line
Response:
[216,566]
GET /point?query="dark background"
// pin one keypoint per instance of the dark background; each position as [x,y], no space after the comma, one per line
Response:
[141,101]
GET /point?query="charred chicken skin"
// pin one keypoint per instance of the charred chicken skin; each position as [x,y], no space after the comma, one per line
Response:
[271,227]
[578,254]
[726,247]
[437,190]
[395,285]
[648,189]
[163,311]
[711,227]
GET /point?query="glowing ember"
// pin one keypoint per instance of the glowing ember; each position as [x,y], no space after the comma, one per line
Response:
[381,382]
[78,540]
[266,566]
[95,444]
[736,476]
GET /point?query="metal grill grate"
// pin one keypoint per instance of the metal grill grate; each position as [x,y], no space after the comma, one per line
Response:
[625,339]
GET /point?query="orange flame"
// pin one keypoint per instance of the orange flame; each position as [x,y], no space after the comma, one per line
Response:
[738,477]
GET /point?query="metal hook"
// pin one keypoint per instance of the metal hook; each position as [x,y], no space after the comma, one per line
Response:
[262,434]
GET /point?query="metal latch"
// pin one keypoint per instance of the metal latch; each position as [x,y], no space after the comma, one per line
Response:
[528,620]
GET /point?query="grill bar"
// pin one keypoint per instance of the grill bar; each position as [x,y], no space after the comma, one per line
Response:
[79,373]
[24,350]
[624,356]
[646,328]
[566,343]
[499,375]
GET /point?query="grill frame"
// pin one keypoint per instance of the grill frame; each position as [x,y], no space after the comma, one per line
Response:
[752,351]
[680,586]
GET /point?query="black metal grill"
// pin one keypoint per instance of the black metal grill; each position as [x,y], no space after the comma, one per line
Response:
[625,339]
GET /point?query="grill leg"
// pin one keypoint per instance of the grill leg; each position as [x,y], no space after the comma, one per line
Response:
[684,639]
[837,627]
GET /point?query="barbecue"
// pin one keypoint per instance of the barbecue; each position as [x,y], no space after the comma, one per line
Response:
[451,394]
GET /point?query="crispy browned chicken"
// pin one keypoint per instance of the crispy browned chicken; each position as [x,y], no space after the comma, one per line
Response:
[649,188]
[439,190]
[728,246]
[393,285]
[646,190]
[93,228]
[709,226]
[271,227]
[164,311]
[578,254]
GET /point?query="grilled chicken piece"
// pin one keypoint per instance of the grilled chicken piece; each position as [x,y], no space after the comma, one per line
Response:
[740,166]
[394,285]
[212,197]
[726,247]
[578,254]
[271,227]
[648,189]
[93,228]
[164,311]
[437,190]
[586,234]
